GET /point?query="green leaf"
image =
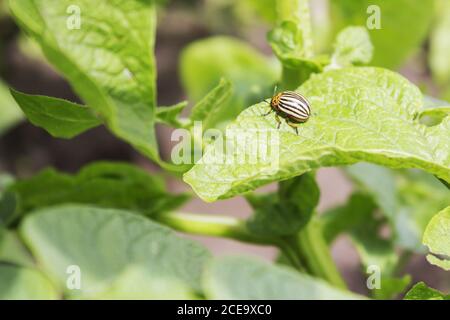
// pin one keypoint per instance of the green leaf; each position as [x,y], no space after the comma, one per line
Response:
[379,182]
[297,12]
[205,62]
[396,37]
[8,204]
[422,292]
[244,278]
[12,249]
[353,47]
[264,8]
[440,44]
[408,198]
[288,44]
[171,115]
[10,113]
[391,287]
[286,212]
[357,217]
[421,196]
[437,239]
[61,118]
[434,116]
[109,247]
[104,184]
[24,284]
[358,114]
[356,211]
[109,60]
[211,105]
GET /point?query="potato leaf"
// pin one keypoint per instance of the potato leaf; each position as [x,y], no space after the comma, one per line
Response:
[437,239]
[246,278]
[353,47]
[18,283]
[117,253]
[105,50]
[61,118]
[421,291]
[104,184]
[359,114]
[286,212]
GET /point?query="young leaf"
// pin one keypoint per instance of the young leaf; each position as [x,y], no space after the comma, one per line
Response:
[108,245]
[389,23]
[211,105]
[205,62]
[105,50]
[10,113]
[61,118]
[353,47]
[246,278]
[288,45]
[25,284]
[358,114]
[171,115]
[437,239]
[422,292]
[103,184]
[286,212]
[297,12]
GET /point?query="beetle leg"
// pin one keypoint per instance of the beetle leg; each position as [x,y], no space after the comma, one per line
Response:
[293,126]
[277,117]
[266,114]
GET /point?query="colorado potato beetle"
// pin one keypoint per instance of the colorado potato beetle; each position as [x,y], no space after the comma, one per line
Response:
[291,106]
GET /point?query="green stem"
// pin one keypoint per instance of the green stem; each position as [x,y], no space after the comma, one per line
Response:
[214,226]
[292,78]
[313,249]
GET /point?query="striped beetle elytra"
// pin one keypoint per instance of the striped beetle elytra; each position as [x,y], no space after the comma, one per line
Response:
[291,106]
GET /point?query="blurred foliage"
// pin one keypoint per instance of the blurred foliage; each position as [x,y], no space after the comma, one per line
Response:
[104,184]
[437,238]
[205,62]
[440,46]
[10,113]
[408,199]
[397,37]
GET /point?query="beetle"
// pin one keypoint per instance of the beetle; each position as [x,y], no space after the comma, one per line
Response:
[291,106]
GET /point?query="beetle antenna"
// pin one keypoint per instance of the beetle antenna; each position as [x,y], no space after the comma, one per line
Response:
[275,90]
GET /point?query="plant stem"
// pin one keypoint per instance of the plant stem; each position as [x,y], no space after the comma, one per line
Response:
[214,226]
[314,251]
[292,78]
[307,251]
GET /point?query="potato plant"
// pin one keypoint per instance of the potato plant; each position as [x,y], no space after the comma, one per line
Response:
[109,231]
